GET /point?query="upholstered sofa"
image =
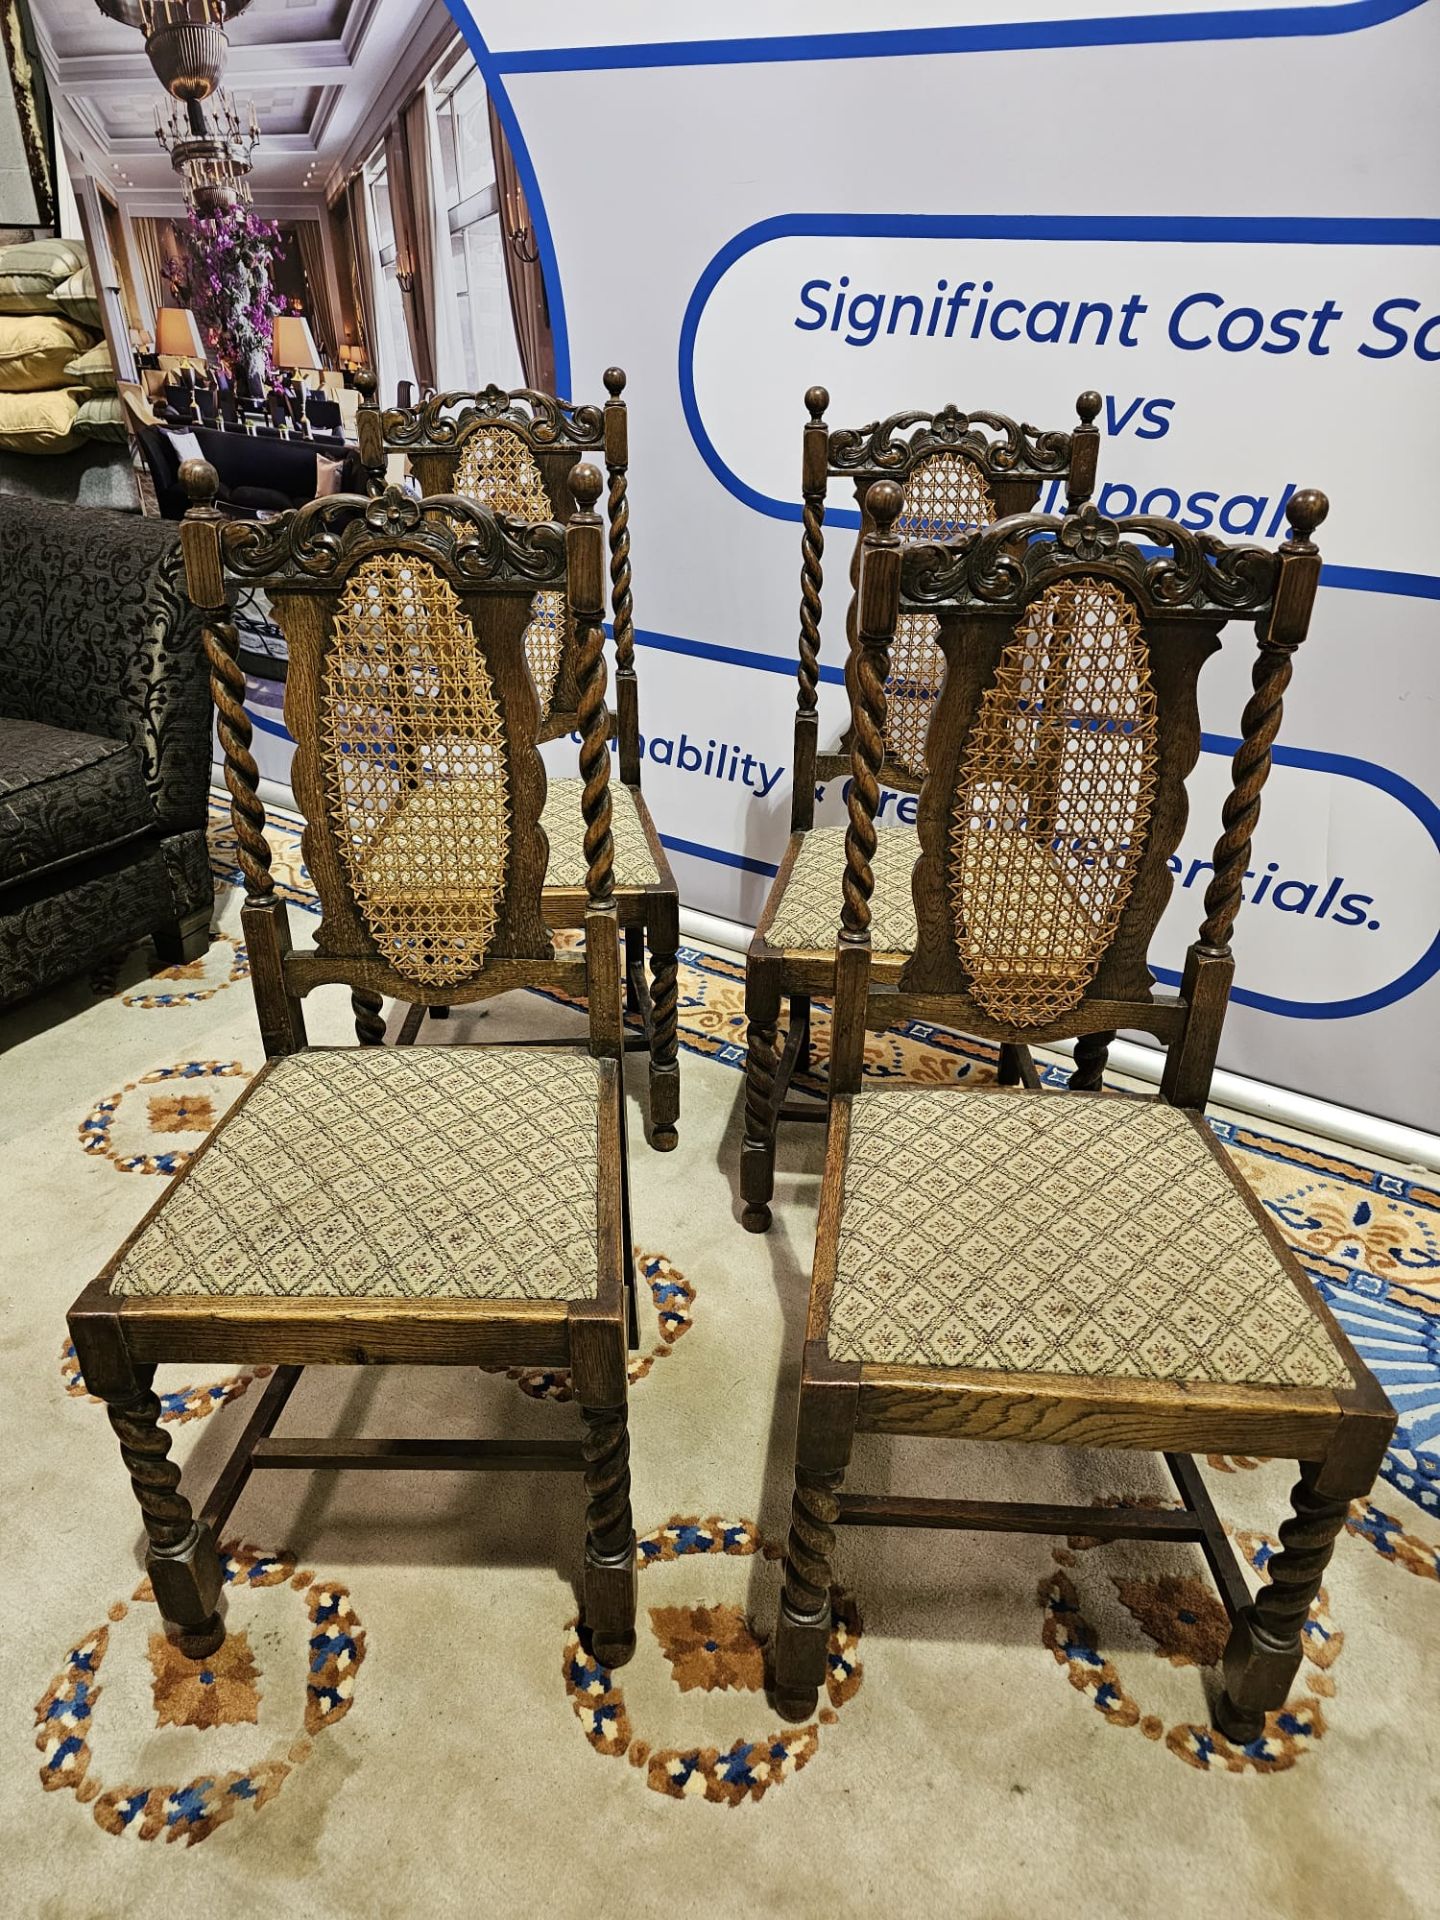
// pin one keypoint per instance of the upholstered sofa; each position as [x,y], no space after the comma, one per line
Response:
[260,473]
[104,745]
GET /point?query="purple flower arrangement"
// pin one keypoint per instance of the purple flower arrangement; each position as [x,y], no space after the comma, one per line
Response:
[227,285]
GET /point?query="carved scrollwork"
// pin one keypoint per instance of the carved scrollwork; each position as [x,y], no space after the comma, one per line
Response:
[319,543]
[1016,558]
[879,450]
[447,419]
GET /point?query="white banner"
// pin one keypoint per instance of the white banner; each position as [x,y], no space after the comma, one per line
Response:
[1234,243]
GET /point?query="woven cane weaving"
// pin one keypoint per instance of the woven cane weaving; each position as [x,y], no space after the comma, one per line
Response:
[1056,787]
[809,912]
[945,494]
[409,726]
[1059,1233]
[497,469]
[564,826]
[390,1172]
[545,642]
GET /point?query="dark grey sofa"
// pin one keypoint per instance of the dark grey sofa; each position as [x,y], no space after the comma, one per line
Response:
[104,745]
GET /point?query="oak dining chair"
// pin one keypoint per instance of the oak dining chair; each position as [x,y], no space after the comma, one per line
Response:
[957,470]
[1070,1268]
[433,1205]
[513,451]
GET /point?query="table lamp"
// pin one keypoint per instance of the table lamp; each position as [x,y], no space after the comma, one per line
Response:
[294,352]
[177,335]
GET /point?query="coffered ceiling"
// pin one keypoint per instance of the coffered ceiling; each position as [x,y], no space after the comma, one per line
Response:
[317,70]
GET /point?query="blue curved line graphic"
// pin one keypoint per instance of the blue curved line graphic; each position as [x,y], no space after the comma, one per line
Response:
[1197,229]
[1247,23]
[490,73]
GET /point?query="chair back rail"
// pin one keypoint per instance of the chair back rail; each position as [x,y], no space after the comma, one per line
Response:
[1055,797]
[957,470]
[417,765]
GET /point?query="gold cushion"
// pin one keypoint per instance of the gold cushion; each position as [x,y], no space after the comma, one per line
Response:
[78,299]
[94,369]
[564,825]
[31,270]
[36,349]
[412,1173]
[38,422]
[1060,1233]
[101,416]
[809,911]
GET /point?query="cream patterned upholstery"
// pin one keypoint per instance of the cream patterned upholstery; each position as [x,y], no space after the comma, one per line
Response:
[564,825]
[1059,1233]
[412,1173]
[809,912]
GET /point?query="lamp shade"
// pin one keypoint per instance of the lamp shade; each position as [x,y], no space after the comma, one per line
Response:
[177,332]
[293,345]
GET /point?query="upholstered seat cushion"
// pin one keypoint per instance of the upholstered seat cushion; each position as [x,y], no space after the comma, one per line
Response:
[809,911]
[412,1173]
[1075,1234]
[564,826]
[63,796]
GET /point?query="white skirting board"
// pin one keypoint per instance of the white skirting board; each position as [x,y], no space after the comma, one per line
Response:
[1409,1145]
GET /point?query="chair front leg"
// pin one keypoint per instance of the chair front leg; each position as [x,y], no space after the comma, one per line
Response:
[825,1431]
[182,1562]
[609,1534]
[1264,1650]
[757,1154]
[664,932]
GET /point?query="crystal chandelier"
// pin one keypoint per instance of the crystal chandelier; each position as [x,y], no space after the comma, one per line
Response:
[186,44]
[213,155]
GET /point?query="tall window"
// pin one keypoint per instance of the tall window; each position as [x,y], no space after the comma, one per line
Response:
[393,346]
[473,213]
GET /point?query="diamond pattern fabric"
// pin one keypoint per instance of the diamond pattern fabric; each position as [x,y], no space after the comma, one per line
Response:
[564,826]
[410,1173]
[809,912]
[1059,1233]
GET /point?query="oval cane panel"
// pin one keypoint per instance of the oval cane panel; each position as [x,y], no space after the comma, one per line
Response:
[414,756]
[1056,787]
[497,469]
[945,494]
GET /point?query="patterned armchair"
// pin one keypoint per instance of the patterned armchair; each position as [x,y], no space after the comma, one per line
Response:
[104,745]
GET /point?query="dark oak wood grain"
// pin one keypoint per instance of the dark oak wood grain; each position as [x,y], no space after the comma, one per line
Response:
[447,586]
[982,588]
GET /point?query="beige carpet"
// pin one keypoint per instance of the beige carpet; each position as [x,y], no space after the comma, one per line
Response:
[401,1722]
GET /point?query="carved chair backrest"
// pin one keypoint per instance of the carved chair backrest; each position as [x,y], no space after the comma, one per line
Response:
[956,470]
[417,765]
[1066,729]
[513,452]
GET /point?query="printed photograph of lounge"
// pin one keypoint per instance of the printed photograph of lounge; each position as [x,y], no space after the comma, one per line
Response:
[250,202]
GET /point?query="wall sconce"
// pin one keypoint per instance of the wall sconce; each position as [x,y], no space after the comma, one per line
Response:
[518,235]
[405,275]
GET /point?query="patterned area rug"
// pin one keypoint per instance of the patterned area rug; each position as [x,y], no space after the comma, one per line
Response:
[402,1703]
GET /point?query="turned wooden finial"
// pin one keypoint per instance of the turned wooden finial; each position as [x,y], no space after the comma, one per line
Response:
[883,502]
[817,399]
[1088,407]
[614,381]
[1305,511]
[202,483]
[585,485]
[366,385]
